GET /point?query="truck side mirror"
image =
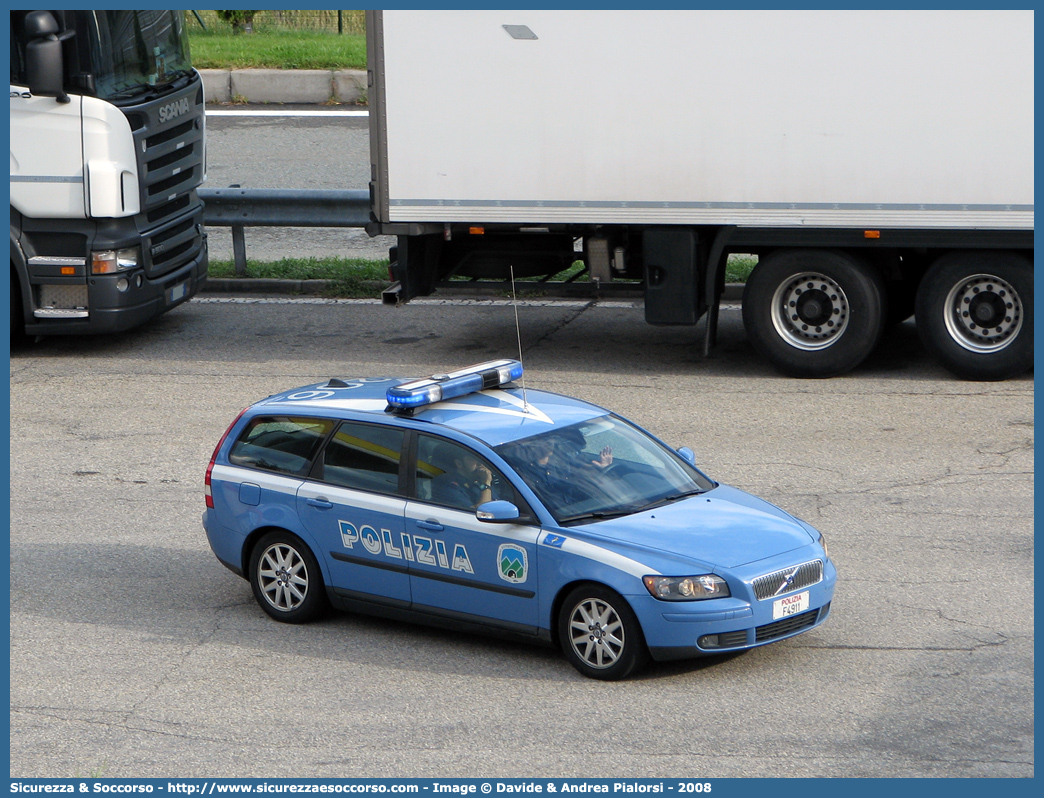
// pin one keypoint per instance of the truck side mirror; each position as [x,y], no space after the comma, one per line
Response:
[44,64]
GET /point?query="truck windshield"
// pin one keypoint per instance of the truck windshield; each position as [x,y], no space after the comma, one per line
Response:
[133,52]
[599,469]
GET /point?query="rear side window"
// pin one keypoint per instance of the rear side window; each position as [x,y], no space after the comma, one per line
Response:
[284,444]
[363,457]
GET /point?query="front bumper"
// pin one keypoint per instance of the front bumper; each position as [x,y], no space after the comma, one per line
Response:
[112,310]
[683,630]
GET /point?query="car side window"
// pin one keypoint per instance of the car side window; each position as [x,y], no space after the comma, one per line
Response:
[363,457]
[456,476]
[284,444]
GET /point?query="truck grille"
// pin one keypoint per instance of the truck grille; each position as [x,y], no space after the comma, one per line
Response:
[168,210]
[170,163]
[768,586]
[172,245]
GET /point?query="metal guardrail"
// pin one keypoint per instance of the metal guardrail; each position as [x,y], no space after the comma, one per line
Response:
[240,208]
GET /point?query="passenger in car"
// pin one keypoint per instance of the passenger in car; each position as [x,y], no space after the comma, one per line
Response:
[570,445]
[557,468]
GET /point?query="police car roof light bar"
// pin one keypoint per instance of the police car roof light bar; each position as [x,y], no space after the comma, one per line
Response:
[439,387]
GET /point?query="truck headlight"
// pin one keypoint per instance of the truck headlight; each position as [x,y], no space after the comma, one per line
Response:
[111,261]
[686,588]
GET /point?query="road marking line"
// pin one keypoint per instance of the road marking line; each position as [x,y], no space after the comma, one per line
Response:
[531,303]
[285,300]
[287,113]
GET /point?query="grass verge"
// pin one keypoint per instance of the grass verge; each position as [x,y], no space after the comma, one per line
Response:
[349,277]
[358,278]
[219,49]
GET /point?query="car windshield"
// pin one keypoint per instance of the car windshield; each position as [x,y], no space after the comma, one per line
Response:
[134,52]
[601,469]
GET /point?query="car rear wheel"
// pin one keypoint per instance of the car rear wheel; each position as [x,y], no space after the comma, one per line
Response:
[600,634]
[285,578]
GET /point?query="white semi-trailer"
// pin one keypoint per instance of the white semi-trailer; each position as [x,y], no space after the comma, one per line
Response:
[107,151]
[878,163]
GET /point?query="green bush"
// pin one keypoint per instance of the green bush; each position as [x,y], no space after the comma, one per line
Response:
[241,21]
[329,21]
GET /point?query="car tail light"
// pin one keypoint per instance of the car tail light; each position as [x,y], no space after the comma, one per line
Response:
[207,492]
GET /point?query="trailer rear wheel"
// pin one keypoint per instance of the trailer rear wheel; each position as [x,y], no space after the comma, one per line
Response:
[975,314]
[813,313]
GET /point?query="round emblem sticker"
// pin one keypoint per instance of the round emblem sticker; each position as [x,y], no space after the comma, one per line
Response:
[514,564]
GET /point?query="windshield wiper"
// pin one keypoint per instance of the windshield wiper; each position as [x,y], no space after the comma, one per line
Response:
[133,91]
[670,499]
[598,515]
[148,91]
[179,78]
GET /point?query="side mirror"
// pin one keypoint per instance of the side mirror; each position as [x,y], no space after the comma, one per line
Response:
[688,455]
[44,64]
[497,512]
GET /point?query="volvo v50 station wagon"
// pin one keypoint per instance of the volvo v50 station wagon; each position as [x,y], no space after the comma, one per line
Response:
[465,501]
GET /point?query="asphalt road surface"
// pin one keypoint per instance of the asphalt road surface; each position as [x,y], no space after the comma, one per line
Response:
[328,152]
[135,654]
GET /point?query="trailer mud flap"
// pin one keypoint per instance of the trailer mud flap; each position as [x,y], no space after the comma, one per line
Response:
[414,267]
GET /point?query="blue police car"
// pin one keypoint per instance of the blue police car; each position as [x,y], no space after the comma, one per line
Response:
[466,501]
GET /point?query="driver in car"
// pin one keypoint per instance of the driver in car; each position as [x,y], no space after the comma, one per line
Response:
[466,481]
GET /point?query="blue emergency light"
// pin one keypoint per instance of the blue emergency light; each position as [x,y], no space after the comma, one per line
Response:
[438,387]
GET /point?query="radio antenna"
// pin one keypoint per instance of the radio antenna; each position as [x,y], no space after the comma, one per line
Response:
[518,337]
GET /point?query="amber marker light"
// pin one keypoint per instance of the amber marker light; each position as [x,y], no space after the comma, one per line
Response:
[871,234]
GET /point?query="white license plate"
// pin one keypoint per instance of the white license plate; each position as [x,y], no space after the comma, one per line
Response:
[791,605]
[178,292]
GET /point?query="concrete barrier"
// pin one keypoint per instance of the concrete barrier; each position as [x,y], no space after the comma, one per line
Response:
[308,86]
[217,85]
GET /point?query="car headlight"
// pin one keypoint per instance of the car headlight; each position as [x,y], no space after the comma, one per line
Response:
[822,542]
[110,261]
[686,588]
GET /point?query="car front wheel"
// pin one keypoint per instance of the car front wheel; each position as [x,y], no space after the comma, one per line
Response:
[600,634]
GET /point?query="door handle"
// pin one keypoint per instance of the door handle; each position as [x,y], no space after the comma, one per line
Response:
[431,525]
[320,502]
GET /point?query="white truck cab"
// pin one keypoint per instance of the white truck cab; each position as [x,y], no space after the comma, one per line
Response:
[107,151]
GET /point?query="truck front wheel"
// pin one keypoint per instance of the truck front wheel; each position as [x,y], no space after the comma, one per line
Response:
[813,313]
[17,318]
[975,314]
